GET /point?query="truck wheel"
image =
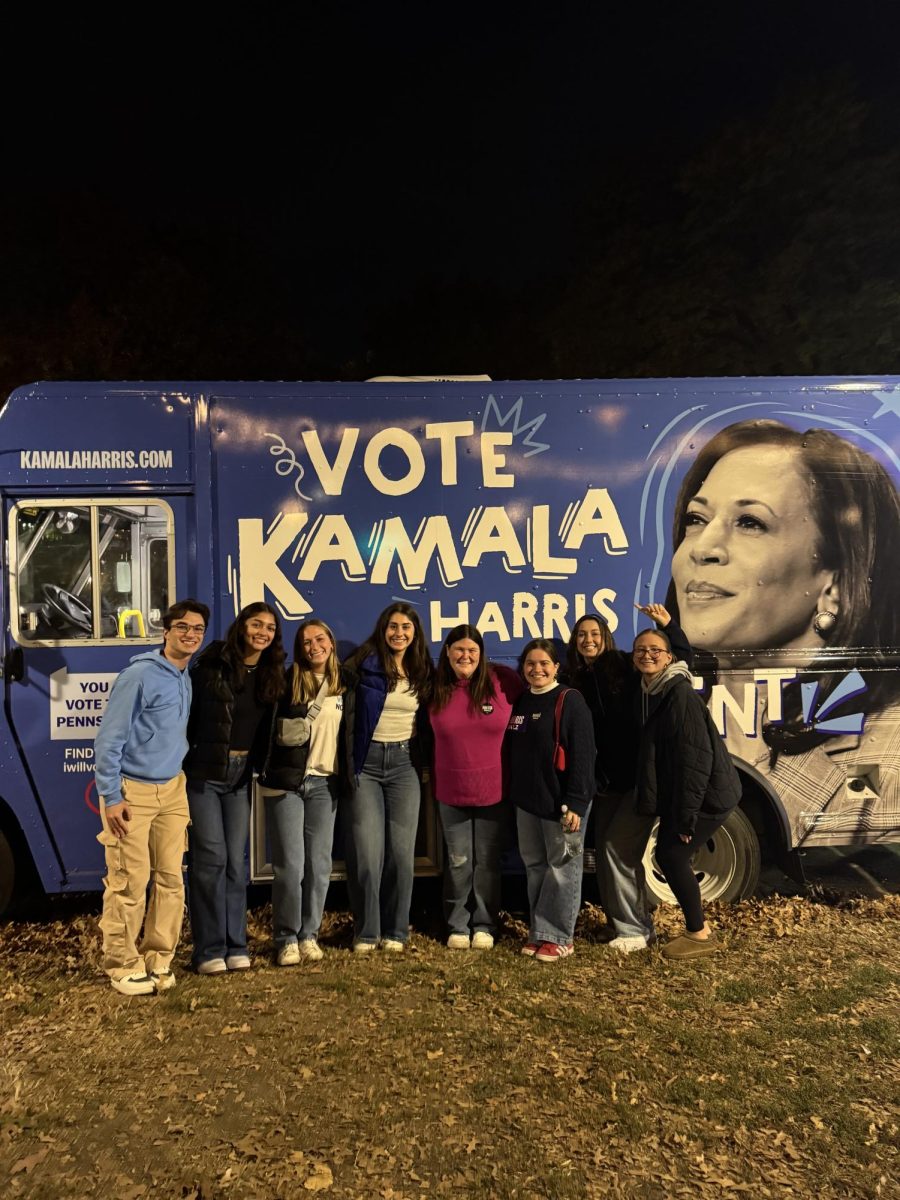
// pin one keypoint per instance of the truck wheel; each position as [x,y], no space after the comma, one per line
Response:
[7,874]
[727,866]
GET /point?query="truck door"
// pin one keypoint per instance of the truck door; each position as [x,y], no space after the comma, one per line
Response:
[88,582]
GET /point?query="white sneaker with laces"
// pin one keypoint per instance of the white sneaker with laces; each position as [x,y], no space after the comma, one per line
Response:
[238,962]
[311,950]
[289,955]
[482,940]
[458,941]
[134,985]
[392,945]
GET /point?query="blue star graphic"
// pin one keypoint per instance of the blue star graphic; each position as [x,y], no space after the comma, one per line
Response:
[890,402]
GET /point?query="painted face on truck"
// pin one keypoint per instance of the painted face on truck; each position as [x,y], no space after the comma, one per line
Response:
[748,573]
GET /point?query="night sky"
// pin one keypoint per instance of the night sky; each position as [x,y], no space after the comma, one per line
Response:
[342,190]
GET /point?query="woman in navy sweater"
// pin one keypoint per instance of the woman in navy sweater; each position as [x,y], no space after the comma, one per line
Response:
[552,798]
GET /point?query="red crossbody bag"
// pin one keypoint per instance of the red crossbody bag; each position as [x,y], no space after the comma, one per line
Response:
[559,753]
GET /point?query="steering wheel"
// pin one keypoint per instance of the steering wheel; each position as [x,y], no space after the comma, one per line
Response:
[72,610]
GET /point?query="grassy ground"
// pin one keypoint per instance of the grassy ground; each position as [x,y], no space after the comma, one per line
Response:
[769,1071]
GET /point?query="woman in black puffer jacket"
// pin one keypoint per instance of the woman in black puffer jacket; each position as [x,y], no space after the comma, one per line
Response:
[685,777]
[606,678]
[302,785]
[236,684]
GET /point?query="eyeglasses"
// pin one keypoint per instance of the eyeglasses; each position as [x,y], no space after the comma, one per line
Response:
[181,628]
[645,653]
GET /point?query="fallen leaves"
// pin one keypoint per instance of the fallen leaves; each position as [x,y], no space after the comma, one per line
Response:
[320,1179]
[30,1161]
[750,1076]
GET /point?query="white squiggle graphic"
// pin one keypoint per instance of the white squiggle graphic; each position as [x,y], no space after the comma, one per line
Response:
[287,462]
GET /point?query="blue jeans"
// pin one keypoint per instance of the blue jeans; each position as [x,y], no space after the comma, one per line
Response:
[553,867]
[381,843]
[217,873]
[621,834]
[475,838]
[301,834]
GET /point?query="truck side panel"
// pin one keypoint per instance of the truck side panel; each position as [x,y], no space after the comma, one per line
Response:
[515,506]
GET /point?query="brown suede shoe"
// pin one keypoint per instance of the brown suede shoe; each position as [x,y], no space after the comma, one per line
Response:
[688,947]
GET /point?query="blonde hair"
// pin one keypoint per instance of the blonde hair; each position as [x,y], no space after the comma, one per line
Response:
[304,685]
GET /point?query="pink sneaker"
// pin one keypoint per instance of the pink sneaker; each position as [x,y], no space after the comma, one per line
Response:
[550,952]
[530,949]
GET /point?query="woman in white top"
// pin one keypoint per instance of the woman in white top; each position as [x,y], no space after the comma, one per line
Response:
[302,784]
[393,672]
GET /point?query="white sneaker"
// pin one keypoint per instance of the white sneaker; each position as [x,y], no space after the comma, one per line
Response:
[134,985]
[392,945]
[212,966]
[482,940]
[238,962]
[628,945]
[311,950]
[458,941]
[363,947]
[163,980]
[289,955]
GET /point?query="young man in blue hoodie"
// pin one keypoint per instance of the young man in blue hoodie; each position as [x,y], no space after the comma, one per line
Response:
[143,804]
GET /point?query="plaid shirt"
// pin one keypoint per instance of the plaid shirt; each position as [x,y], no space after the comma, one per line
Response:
[845,791]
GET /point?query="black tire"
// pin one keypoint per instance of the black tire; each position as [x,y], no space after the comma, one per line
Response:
[7,874]
[727,867]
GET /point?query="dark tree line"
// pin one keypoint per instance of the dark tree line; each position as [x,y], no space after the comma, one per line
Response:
[772,249]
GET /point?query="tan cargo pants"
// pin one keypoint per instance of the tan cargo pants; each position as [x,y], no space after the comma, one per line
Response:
[152,853]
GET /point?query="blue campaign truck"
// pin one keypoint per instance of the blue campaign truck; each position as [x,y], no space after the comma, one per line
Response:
[764,512]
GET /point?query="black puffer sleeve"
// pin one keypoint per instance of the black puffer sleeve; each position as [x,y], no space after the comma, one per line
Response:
[691,755]
[681,647]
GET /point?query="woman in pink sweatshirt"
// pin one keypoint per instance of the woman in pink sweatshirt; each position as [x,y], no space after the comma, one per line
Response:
[469,712]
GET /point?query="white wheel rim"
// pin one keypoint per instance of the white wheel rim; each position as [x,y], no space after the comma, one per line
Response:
[715,867]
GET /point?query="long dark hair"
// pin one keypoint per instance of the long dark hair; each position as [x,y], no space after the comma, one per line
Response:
[416,659]
[610,663]
[857,515]
[481,683]
[269,682]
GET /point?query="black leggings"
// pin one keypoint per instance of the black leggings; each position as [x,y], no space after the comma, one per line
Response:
[673,856]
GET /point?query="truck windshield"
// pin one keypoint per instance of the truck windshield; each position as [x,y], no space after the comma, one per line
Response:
[89,571]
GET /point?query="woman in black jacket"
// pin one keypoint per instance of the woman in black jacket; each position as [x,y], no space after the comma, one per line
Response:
[685,777]
[606,678]
[236,684]
[307,773]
